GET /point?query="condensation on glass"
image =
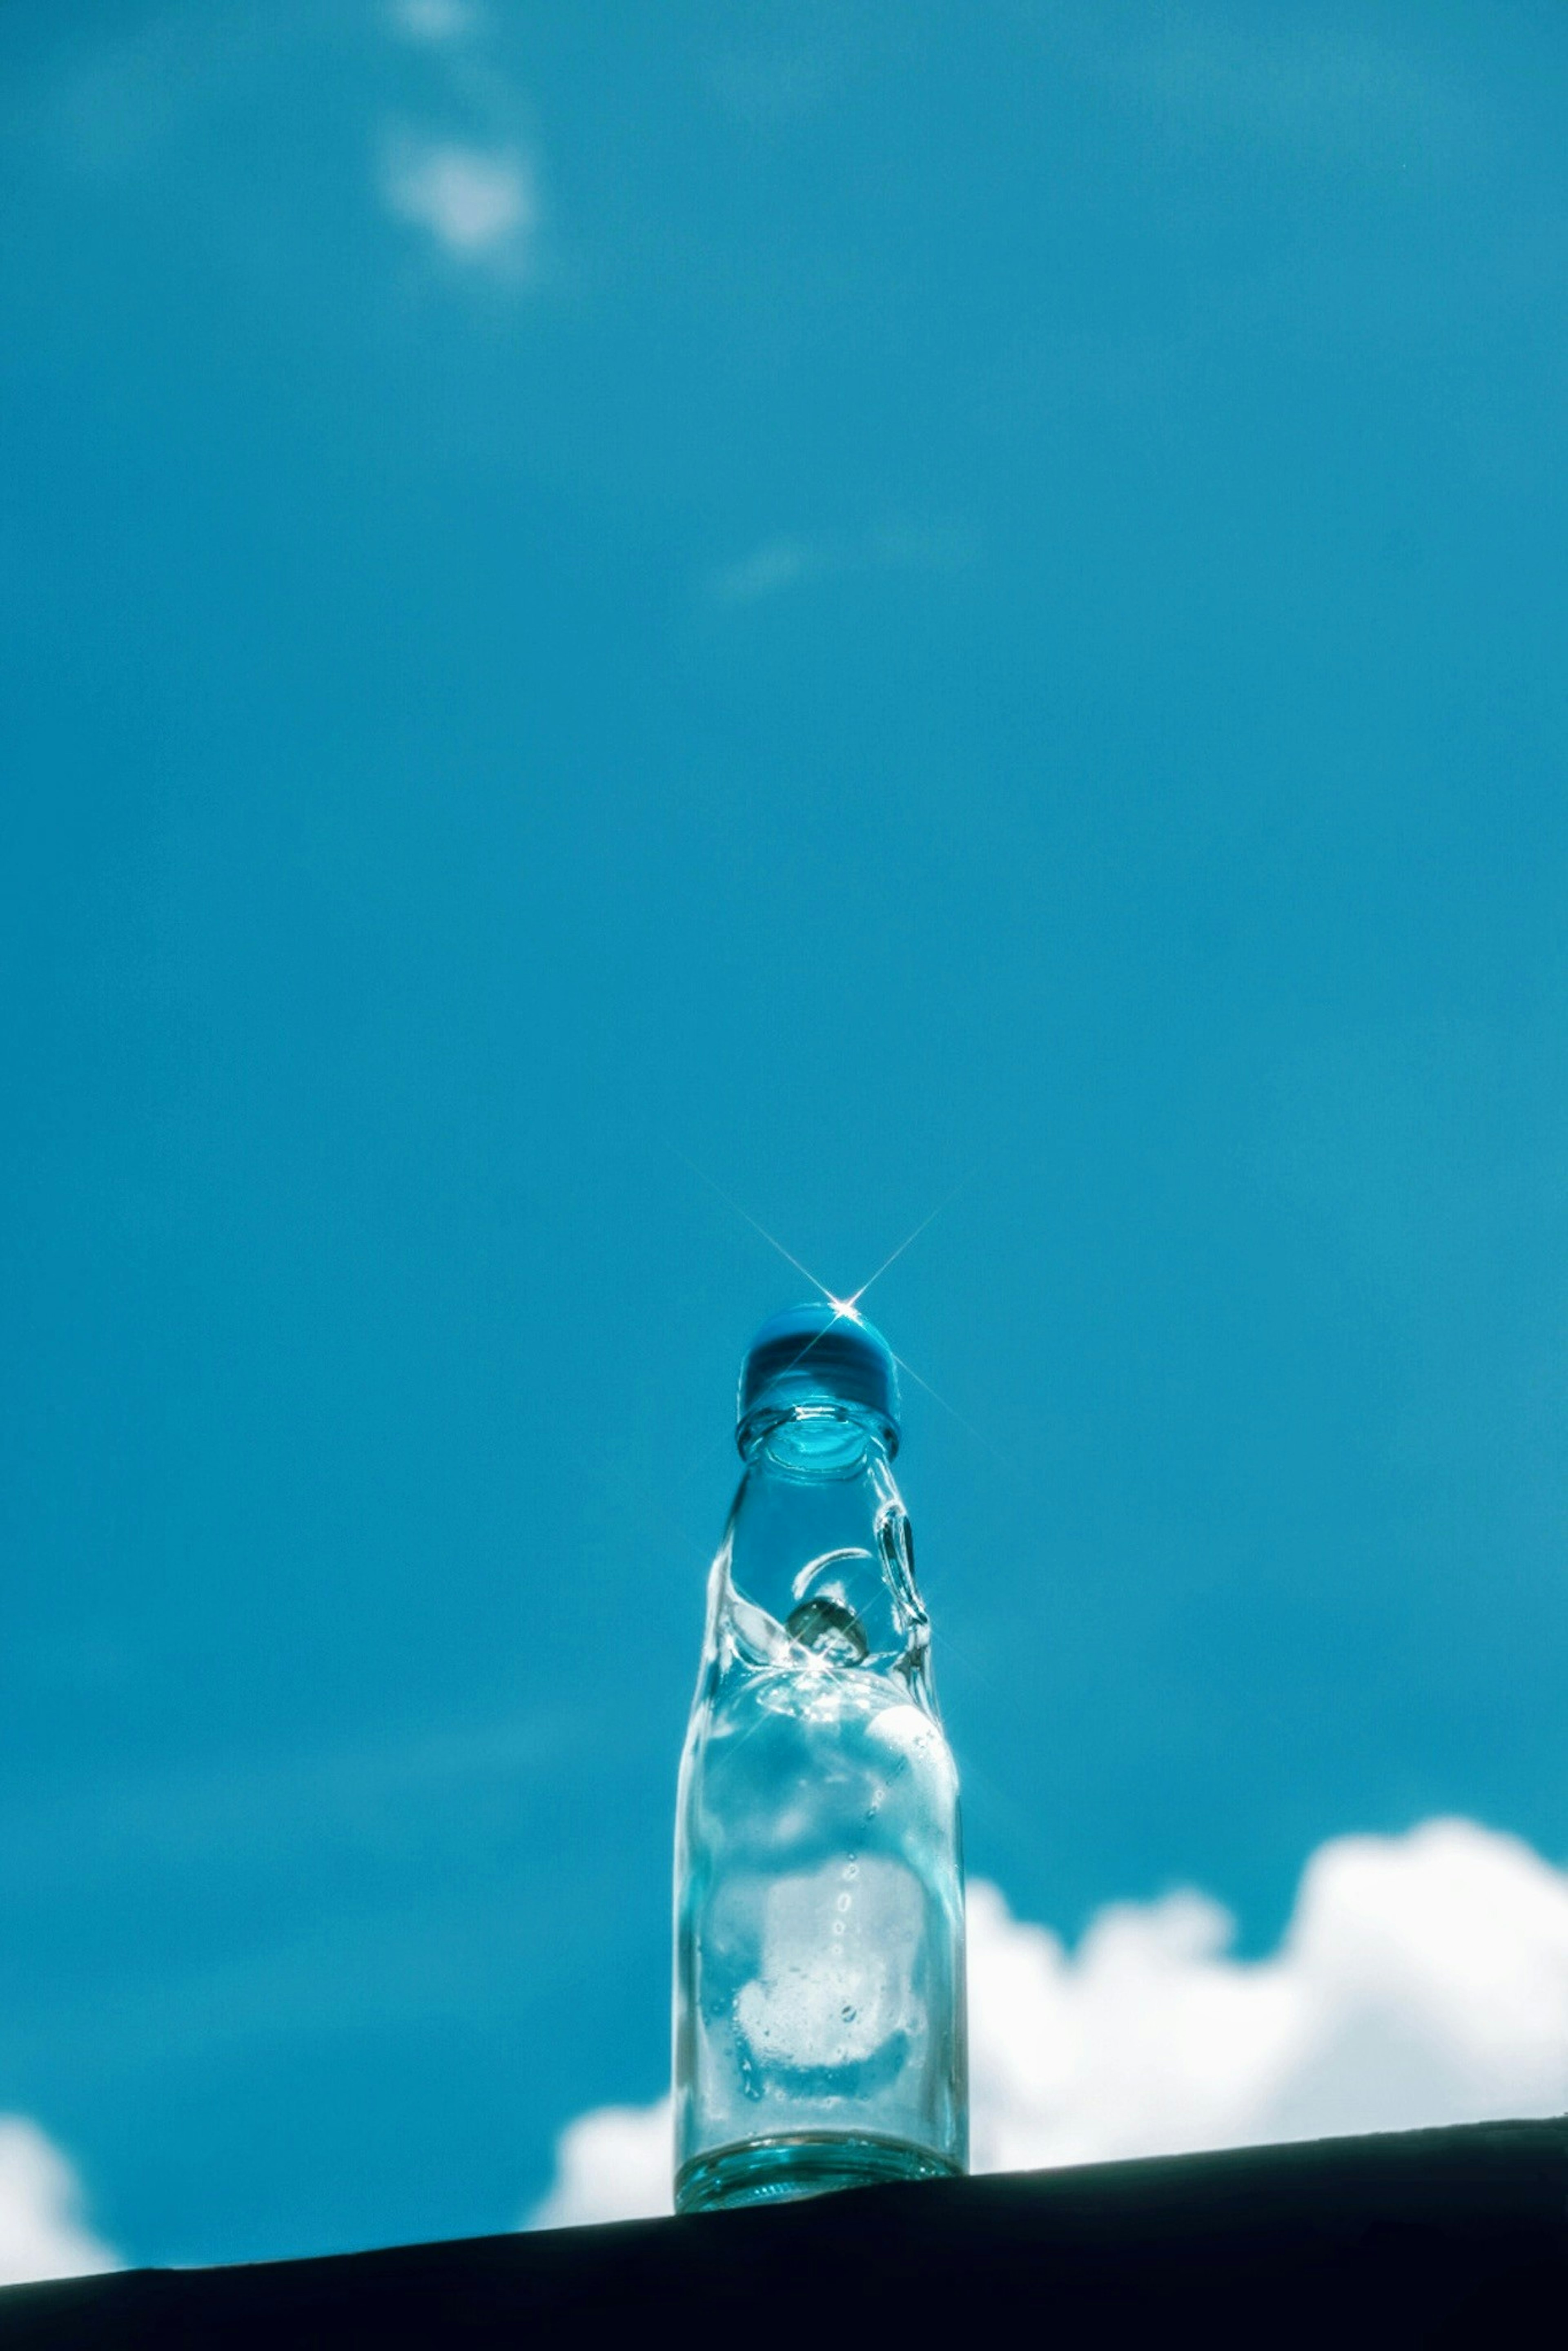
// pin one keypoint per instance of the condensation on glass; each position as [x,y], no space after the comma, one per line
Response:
[819,2008]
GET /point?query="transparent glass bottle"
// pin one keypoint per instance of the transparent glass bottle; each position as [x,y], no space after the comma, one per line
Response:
[819,2010]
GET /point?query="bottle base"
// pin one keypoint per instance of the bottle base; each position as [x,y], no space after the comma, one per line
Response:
[807,2163]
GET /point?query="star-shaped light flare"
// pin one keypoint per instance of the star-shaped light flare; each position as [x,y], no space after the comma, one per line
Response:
[850,1307]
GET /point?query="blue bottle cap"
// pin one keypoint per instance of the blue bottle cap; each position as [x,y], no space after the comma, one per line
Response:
[821,1355]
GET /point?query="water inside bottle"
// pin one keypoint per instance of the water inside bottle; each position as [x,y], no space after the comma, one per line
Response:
[826,1889]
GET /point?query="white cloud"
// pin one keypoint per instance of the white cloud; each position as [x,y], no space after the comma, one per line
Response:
[42,2233]
[480,202]
[1422,1980]
[611,2165]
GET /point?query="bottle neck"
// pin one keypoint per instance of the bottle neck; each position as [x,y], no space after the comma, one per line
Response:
[815,1436]
[818,1562]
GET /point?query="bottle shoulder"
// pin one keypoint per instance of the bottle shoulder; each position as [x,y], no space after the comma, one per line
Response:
[786,1746]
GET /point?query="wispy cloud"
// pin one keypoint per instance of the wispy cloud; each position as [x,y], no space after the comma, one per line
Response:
[1262,78]
[797,561]
[471,187]
[480,205]
[42,2231]
[431,20]
[1422,1980]
[776,563]
[779,84]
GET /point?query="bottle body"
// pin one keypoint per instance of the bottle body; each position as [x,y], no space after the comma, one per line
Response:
[820,1998]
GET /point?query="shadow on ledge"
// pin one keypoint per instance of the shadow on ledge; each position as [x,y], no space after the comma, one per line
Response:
[1423,2237]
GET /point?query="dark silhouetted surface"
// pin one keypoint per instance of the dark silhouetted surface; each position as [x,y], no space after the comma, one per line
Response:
[1425,2237]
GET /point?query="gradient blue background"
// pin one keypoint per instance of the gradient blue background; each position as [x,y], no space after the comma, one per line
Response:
[978,602]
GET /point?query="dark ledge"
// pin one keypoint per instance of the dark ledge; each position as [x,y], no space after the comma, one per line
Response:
[1424,2237]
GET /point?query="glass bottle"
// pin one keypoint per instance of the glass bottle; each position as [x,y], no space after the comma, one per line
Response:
[820,2036]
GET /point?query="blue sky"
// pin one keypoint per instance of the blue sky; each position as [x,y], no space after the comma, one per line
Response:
[833,602]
